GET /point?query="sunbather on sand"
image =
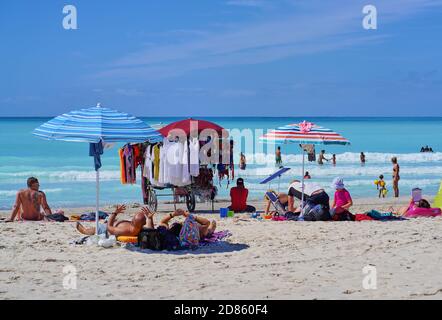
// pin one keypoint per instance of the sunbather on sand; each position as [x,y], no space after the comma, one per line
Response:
[206,227]
[413,206]
[283,199]
[121,228]
[29,203]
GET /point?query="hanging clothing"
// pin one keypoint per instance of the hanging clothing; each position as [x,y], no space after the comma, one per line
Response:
[122,166]
[174,163]
[156,162]
[185,166]
[194,150]
[96,150]
[130,164]
[147,168]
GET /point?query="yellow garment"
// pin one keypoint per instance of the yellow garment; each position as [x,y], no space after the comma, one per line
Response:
[438,199]
[156,163]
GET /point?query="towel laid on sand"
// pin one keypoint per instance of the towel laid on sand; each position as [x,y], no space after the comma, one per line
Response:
[215,237]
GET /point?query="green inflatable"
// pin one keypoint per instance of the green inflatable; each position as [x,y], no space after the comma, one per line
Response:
[438,199]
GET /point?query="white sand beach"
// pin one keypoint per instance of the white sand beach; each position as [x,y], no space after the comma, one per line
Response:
[261,260]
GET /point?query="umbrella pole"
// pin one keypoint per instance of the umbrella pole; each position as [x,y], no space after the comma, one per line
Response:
[302,184]
[97,200]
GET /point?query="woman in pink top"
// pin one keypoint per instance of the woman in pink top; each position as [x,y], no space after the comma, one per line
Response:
[342,200]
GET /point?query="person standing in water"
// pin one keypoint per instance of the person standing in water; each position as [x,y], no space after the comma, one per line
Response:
[278,156]
[322,157]
[396,177]
[362,158]
[334,159]
[242,161]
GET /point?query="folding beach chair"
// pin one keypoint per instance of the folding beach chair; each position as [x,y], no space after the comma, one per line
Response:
[273,197]
[437,203]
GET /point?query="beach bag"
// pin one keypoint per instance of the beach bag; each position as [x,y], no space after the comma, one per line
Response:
[58,217]
[190,234]
[151,239]
[291,216]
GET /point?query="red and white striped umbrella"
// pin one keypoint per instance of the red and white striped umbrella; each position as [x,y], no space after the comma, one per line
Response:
[304,133]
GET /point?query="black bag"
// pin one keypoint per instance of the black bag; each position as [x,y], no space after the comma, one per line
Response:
[317,213]
[151,239]
[58,217]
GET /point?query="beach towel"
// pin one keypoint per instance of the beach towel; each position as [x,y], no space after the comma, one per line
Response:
[279,218]
[362,217]
[383,216]
[215,237]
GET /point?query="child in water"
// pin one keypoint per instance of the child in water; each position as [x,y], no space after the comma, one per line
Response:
[381,186]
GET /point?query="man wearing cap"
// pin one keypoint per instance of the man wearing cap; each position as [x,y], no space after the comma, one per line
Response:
[238,196]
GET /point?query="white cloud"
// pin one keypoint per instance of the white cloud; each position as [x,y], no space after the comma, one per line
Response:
[323,28]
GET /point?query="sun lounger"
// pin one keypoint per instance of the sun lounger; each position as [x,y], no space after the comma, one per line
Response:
[273,197]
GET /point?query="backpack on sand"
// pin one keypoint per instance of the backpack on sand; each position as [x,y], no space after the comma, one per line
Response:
[151,239]
[190,233]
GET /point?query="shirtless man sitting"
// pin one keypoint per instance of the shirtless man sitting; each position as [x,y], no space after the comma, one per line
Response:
[121,228]
[29,203]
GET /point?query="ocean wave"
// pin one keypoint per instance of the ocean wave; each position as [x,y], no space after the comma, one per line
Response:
[350,157]
[73,175]
[349,171]
[12,193]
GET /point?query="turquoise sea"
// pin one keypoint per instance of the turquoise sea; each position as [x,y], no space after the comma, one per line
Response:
[66,171]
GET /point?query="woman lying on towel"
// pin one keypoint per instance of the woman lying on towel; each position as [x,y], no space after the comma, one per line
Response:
[422,208]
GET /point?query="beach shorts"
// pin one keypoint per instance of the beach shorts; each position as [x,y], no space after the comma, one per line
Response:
[102,228]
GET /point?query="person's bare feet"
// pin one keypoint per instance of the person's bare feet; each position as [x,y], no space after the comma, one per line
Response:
[212,227]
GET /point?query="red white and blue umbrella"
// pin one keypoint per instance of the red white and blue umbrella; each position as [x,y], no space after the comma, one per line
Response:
[304,133]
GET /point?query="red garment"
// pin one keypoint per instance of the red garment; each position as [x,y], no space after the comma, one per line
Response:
[362,217]
[238,197]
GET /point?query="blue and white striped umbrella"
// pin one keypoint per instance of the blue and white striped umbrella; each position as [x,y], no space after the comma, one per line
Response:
[95,124]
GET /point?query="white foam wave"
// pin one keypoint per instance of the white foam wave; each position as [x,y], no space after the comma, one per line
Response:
[349,171]
[351,157]
[72,175]
[12,193]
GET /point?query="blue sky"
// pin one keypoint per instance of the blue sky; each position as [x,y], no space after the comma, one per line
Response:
[222,58]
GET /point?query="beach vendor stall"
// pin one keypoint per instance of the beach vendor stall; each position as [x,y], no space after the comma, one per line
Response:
[184,162]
